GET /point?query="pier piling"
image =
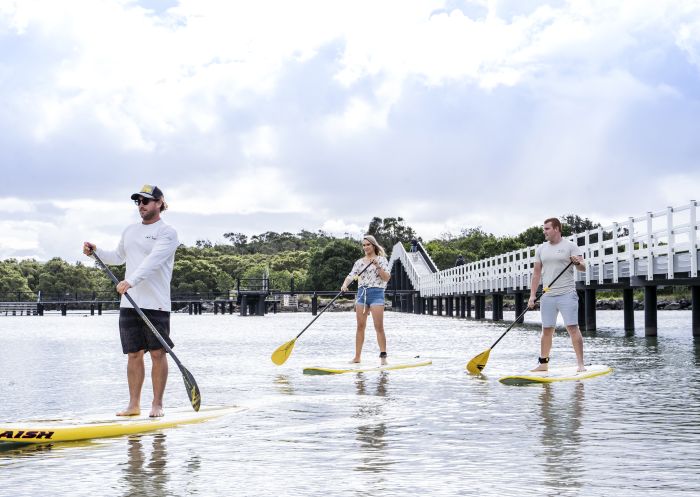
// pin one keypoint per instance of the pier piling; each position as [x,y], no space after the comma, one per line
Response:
[695,296]
[650,324]
[590,309]
[628,309]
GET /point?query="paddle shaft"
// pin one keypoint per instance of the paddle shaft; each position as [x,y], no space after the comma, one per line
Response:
[527,308]
[142,314]
[329,304]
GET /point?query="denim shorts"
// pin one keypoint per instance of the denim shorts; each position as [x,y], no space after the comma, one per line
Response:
[370,296]
[566,304]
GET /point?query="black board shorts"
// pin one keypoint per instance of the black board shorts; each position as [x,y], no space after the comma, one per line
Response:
[135,333]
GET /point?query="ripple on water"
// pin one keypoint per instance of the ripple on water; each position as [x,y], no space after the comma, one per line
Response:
[433,430]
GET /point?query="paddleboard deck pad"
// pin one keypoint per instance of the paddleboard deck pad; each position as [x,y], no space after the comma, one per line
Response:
[368,366]
[568,373]
[102,426]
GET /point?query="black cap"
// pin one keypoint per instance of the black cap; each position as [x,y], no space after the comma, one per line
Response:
[148,191]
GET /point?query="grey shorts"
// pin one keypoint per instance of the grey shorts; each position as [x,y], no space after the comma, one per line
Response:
[567,305]
[135,333]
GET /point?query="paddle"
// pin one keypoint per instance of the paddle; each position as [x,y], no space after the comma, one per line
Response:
[190,383]
[479,362]
[282,353]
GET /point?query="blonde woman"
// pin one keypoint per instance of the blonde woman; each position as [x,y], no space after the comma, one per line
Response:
[370,294]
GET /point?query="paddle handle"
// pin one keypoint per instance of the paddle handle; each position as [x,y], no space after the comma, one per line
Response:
[329,304]
[190,383]
[527,308]
[139,311]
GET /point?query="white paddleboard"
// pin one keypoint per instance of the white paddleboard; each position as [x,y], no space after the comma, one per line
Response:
[101,426]
[368,366]
[567,373]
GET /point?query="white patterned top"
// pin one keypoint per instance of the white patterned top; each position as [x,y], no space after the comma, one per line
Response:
[369,278]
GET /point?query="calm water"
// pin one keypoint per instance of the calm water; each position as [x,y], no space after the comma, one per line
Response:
[429,431]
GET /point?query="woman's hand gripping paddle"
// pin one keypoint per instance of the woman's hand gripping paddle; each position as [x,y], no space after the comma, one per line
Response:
[478,363]
[190,383]
[282,353]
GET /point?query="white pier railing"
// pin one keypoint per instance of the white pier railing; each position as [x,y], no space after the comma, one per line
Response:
[658,245]
[409,263]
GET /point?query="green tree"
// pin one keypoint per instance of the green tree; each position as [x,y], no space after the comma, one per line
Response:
[30,269]
[58,278]
[571,224]
[238,240]
[531,236]
[442,253]
[233,265]
[329,266]
[13,284]
[389,231]
[199,276]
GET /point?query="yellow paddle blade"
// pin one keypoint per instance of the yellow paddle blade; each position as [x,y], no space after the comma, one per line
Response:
[282,353]
[479,362]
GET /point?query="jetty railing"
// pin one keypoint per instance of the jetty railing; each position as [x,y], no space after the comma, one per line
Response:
[656,245]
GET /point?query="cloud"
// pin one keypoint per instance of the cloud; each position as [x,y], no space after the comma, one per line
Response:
[260,143]
[251,190]
[339,227]
[321,115]
[358,117]
[11,204]
[675,188]
[58,228]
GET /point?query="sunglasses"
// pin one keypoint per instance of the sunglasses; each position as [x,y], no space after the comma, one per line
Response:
[144,201]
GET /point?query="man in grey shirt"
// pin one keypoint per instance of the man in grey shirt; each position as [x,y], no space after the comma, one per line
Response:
[550,259]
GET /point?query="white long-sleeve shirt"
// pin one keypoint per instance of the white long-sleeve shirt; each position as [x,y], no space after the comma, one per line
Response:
[149,253]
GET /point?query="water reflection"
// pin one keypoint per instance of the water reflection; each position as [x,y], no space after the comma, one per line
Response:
[400,433]
[371,435]
[561,413]
[696,350]
[283,385]
[11,450]
[652,344]
[144,475]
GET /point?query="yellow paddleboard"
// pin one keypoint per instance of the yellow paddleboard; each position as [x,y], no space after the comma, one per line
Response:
[568,373]
[368,366]
[68,430]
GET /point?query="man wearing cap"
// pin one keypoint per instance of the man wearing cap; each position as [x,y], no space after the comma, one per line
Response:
[148,248]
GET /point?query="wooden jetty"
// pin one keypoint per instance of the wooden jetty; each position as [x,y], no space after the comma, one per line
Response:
[646,252]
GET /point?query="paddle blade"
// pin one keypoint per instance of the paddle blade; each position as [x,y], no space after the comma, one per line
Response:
[192,389]
[479,362]
[283,352]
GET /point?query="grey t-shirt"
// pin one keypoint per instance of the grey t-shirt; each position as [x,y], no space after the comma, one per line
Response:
[554,259]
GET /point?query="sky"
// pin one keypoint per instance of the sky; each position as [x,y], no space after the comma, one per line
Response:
[320,115]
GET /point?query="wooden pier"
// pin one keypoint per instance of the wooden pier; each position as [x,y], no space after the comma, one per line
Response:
[644,253]
[647,252]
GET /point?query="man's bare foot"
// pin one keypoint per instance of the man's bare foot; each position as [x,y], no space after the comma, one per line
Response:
[581,368]
[130,411]
[384,361]
[157,412]
[356,360]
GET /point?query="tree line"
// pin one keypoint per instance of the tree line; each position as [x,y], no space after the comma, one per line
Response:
[308,260]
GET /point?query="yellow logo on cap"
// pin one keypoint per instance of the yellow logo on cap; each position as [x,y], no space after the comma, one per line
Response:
[146,189]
